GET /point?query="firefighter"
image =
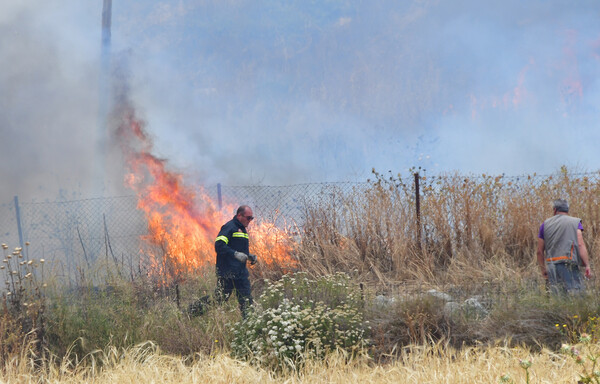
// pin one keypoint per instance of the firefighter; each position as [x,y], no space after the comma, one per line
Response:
[233,254]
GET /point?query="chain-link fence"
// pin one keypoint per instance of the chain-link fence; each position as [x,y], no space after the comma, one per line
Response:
[285,205]
[76,234]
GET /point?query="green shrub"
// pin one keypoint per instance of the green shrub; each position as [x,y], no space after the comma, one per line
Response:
[95,317]
[298,318]
[535,318]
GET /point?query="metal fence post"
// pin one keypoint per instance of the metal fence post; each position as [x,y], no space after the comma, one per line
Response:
[219,197]
[418,209]
[18,213]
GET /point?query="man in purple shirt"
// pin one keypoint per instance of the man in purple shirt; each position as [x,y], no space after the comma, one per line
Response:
[561,250]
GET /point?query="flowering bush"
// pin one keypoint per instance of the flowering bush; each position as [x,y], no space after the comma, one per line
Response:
[585,354]
[23,304]
[298,317]
[578,325]
[525,364]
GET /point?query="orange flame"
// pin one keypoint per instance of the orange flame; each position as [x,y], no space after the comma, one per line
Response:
[184,221]
[274,246]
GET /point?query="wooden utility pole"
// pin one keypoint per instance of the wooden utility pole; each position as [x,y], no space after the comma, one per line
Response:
[103,100]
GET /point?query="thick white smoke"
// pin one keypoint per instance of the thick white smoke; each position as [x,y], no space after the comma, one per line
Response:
[246,92]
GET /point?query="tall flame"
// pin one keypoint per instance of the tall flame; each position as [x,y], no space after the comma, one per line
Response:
[183,221]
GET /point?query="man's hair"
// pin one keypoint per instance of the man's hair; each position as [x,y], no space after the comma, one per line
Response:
[241,209]
[560,205]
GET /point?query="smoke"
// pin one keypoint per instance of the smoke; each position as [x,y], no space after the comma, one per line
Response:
[48,99]
[297,92]
[247,92]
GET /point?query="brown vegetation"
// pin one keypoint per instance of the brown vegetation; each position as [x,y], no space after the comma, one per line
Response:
[476,239]
[473,228]
[427,364]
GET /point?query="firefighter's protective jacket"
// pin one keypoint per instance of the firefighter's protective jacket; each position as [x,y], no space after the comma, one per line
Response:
[232,237]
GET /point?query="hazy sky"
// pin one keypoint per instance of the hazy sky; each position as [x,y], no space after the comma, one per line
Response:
[285,92]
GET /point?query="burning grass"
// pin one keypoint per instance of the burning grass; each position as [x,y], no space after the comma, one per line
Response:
[183,220]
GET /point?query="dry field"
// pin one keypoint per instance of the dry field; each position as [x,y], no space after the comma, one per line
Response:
[144,364]
[476,240]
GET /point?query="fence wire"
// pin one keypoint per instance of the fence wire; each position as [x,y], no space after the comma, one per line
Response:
[285,205]
[80,233]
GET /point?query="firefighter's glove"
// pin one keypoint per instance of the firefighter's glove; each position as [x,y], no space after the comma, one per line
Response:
[242,257]
[252,259]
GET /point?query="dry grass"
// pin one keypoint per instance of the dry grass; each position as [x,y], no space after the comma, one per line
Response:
[429,364]
[477,228]
[478,236]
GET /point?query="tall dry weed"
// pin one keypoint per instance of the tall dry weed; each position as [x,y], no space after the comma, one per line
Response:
[470,226]
[432,363]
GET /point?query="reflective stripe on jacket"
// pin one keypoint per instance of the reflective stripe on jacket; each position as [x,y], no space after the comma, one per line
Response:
[231,238]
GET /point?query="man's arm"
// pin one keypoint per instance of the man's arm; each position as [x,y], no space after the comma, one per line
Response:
[222,246]
[540,257]
[583,254]
[222,242]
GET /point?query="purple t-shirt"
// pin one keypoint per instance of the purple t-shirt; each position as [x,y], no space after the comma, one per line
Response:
[541,234]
